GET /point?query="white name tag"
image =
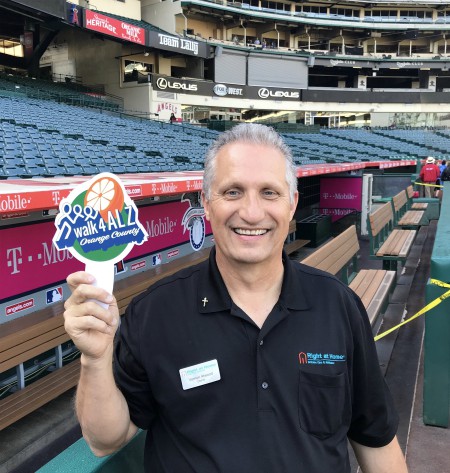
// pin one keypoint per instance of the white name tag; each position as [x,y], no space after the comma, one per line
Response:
[198,375]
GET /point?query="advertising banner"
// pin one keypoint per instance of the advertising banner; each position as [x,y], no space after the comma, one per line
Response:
[178,44]
[112,27]
[29,260]
[199,87]
[340,196]
[74,14]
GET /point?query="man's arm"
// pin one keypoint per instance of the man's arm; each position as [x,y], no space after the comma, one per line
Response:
[101,408]
[387,459]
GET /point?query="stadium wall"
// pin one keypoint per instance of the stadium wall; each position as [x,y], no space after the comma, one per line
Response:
[163,14]
[128,8]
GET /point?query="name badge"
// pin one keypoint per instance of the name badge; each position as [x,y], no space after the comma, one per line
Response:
[198,375]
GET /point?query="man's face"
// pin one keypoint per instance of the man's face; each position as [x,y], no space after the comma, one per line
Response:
[249,207]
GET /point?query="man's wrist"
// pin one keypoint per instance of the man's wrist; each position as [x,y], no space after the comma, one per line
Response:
[96,363]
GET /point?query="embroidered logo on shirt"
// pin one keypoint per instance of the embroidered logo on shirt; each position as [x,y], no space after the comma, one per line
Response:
[320,358]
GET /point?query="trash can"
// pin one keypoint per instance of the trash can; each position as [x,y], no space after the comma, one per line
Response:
[316,228]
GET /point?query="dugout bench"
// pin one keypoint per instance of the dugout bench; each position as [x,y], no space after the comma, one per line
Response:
[387,243]
[28,337]
[340,258]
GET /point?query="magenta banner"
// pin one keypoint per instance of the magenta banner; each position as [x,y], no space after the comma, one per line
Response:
[340,196]
[29,261]
[112,27]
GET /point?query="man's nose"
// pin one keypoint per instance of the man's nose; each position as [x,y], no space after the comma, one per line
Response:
[252,209]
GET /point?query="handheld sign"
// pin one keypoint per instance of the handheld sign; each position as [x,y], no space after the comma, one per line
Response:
[98,223]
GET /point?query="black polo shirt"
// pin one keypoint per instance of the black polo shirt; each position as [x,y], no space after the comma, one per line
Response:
[289,393]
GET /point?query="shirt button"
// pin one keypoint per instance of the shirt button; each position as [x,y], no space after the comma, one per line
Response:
[265,385]
[261,343]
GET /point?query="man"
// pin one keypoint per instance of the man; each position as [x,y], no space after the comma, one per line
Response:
[445,175]
[429,174]
[246,363]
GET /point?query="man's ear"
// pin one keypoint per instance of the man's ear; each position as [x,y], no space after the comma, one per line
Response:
[205,204]
[294,204]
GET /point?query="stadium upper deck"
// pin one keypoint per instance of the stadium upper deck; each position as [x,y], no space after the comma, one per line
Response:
[198,58]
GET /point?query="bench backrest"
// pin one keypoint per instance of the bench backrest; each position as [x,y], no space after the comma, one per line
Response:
[31,341]
[30,336]
[410,192]
[380,225]
[292,226]
[336,255]
[399,201]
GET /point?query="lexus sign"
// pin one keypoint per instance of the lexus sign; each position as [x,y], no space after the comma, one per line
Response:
[174,85]
[211,89]
[265,93]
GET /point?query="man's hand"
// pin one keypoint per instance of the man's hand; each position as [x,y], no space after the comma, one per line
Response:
[89,325]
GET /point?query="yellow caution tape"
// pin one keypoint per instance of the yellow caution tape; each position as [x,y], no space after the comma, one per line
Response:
[428,307]
[430,185]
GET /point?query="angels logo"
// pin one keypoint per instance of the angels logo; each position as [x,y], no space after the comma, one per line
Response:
[194,220]
[98,221]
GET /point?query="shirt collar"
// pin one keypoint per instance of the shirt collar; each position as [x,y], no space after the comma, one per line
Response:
[213,295]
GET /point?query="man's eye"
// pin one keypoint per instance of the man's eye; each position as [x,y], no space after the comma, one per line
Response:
[232,193]
[270,194]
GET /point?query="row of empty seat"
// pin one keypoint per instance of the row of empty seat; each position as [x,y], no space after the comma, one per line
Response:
[47,138]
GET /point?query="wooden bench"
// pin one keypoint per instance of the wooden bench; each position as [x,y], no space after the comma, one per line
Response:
[386,243]
[292,244]
[28,337]
[402,216]
[339,257]
[414,205]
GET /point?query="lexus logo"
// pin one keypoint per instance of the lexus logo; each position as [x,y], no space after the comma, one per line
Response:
[278,94]
[161,83]
[164,84]
[263,93]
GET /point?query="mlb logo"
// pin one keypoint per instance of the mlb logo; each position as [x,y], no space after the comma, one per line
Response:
[54,295]
[156,259]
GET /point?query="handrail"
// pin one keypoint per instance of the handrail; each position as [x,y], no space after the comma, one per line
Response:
[130,458]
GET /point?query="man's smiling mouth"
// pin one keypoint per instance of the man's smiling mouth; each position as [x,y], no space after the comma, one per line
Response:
[256,232]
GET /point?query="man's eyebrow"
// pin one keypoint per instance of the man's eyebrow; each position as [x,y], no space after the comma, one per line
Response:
[228,184]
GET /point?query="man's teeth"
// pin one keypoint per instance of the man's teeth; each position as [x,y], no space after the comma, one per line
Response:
[241,231]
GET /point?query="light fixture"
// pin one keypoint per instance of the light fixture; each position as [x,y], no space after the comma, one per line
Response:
[146,53]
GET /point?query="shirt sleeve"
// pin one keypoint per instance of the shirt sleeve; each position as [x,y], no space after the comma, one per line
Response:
[130,376]
[374,418]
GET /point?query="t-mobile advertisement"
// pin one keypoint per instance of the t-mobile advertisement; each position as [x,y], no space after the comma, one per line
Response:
[29,261]
[340,196]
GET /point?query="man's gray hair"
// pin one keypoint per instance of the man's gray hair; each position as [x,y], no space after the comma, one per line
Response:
[255,134]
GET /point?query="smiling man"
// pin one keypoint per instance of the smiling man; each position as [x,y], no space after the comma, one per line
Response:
[250,196]
[246,363]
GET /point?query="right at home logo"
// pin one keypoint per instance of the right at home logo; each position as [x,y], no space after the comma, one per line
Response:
[308,358]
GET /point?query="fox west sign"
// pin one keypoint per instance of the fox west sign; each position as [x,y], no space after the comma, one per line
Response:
[212,89]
